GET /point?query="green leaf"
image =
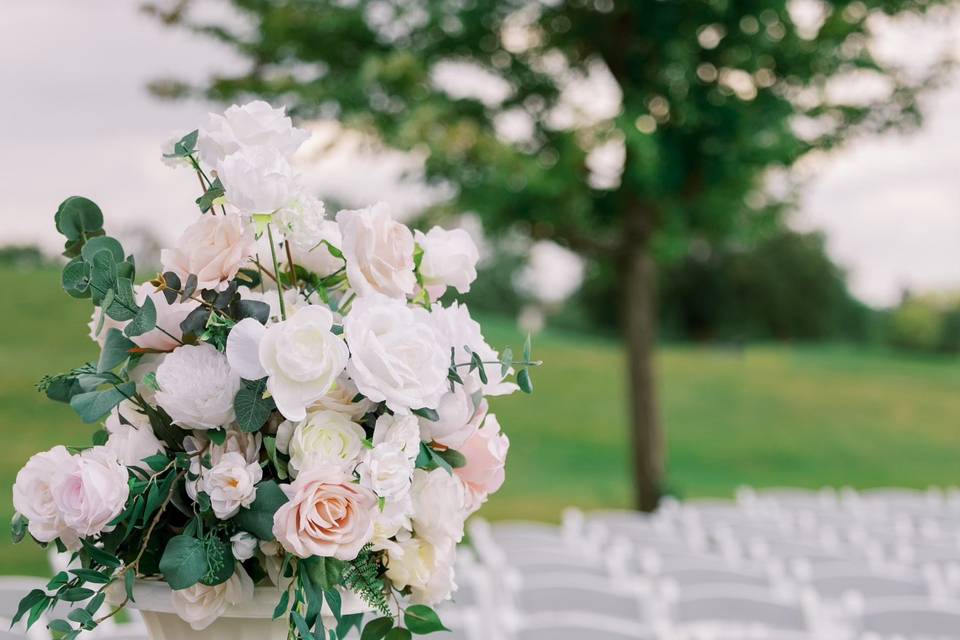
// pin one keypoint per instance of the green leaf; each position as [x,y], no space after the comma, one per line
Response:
[172,282]
[302,627]
[258,518]
[421,619]
[251,407]
[429,414]
[75,278]
[196,321]
[348,622]
[281,608]
[220,562]
[185,145]
[18,527]
[528,348]
[129,578]
[75,594]
[124,306]
[241,309]
[184,562]
[27,603]
[90,575]
[78,216]
[453,458]
[116,349]
[270,444]
[205,202]
[95,405]
[189,287]
[377,629]
[103,274]
[217,436]
[398,634]
[145,320]
[334,601]
[506,361]
[325,573]
[93,245]
[524,381]
[101,556]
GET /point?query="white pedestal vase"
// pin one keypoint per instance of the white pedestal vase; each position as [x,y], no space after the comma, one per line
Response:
[248,621]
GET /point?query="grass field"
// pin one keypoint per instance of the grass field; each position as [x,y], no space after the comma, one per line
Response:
[771,415]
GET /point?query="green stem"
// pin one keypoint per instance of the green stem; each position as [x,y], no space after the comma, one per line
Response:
[276,270]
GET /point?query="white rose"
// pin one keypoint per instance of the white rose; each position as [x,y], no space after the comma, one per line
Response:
[169,317]
[197,387]
[340,398]
[325,439]
[392,520]
[301,355]
[257,180]
[425,568]
[131,438]
[201,605]
[255,124]
[292,301]
[33,493]
[386,470]
[449,259]
[404,431]
[456,329]
[231,484]
[457,419]
[316,257]
[243,545]
[213,248]
[378,250]
[439,506]
[93,492]
[395,354]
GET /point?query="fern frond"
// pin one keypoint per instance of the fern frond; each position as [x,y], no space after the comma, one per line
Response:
[362,576]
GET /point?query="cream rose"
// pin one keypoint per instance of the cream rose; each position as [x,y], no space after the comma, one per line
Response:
[201,605]
[231,484]
[213,248]
[340,398]
[301,356]
[439,506]
[243,545]
[327,515]
[255,124]
[326,439]
[395,354]
[197,387]
[486,454]
[426,569]
[449,259]
[33,494]
[386,470]
[404,431]
[378,250]
[131,436]
[258,180]
[92,492]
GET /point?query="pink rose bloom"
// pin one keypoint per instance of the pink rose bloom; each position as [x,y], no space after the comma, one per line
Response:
[214,248]
[33,494]
[93,492]
[327,515]
[486,454]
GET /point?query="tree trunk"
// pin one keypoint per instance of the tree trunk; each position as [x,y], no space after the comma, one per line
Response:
[638,278]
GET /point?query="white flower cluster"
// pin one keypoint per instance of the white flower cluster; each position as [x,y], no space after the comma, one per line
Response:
[378,433]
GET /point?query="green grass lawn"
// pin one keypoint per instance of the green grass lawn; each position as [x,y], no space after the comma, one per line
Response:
[773,415]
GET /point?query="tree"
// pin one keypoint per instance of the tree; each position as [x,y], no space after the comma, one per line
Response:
[709,97]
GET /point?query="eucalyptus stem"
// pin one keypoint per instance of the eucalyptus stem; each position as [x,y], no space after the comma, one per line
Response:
[276,270]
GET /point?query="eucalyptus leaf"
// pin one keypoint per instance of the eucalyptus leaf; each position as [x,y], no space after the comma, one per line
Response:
[116,349]
[258,518]
[184,562]
[144,321]
[78,216]
[93,406]
[93,245]
[75,278]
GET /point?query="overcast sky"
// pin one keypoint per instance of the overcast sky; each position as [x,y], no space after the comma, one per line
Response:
[76,119]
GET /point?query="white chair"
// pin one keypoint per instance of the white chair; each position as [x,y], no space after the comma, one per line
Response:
[575,594]
[736,605]
[910,618]
[867,586]
[580,626]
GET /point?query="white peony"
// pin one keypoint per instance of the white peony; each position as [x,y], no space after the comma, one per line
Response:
[92,492]
[33,494]
[423,567]
[213,248]
[231,484]
[197,387]
[386,470]
[341,397]
[243,545]
[403,431]
[325,439]
[378,250]
[166,335]
[255,124]
[131,435]
[301,355]
[258,180]
[396,356]
[456,329]
[456,422]
[201,605]
[449,259]
[439,506]
[302,221]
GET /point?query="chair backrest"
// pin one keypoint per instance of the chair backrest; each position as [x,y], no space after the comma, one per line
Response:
[735,604]
[868,586]
[703,576]
[557,595]
[12,590]
[577,626]
[913,619]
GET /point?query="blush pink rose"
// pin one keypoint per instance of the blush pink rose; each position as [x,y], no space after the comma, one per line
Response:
[486,454]
[213,248]
[327,515]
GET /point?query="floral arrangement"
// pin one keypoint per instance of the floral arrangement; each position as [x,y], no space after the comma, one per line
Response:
[288,403]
